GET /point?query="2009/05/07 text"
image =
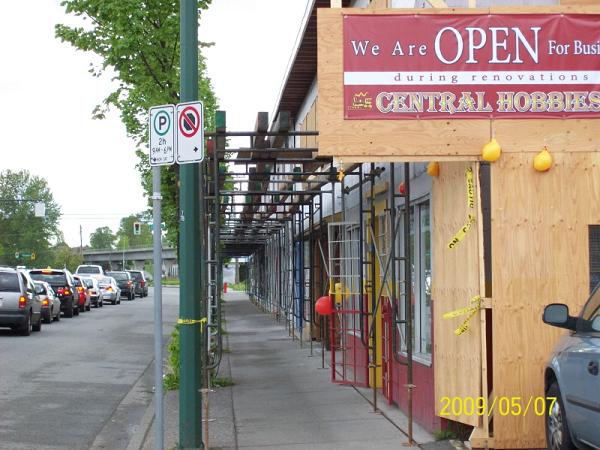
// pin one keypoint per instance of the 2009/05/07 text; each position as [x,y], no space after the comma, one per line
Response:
[505,406]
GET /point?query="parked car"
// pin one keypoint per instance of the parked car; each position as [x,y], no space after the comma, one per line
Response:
[20,305]
[63,284]
[124,282]
[110,290]
[85,303]
[94,291]
[139,282]
[50,302]
[572,376]
[89,269]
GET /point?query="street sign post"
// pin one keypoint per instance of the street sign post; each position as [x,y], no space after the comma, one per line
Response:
[162,135]
[190,132]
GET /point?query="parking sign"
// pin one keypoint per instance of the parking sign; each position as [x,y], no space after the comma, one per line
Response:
[162,135]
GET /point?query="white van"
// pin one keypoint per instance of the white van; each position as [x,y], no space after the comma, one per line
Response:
[90,269]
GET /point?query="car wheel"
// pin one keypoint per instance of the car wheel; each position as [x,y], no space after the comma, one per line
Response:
[113,302]
[48,317]
[69,311]
[88,307]
[101,303]
[131,296]
[38,325]
[76,310]
[57,318]
[558,436]
[25,329]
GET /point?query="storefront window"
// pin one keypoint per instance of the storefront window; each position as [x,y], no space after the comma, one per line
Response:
[420,256]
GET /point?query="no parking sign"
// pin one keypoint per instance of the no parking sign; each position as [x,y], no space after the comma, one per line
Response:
[190,132]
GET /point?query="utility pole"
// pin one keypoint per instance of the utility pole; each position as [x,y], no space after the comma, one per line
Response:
[190,396]
[81,241]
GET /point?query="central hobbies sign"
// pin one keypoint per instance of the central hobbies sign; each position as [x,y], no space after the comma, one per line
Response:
[471,66]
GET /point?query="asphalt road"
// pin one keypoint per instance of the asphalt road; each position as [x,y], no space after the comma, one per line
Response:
[83,382]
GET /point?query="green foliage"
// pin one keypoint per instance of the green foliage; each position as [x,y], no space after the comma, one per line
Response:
[241,286]
[102,238]
[171,379]
[125,234]
[138,40]
[20,230]
[443,435]
[65,256]
[222,381]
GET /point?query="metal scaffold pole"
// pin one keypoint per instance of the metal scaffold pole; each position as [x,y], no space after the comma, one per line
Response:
[190,396]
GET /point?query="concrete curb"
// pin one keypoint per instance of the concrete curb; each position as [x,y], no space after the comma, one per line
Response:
[138,439]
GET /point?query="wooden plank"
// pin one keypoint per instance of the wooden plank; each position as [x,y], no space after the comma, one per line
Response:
[438,139]
[282,123]
[456,279]
[540,255]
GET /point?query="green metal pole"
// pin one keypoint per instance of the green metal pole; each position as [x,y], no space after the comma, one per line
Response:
[190,396]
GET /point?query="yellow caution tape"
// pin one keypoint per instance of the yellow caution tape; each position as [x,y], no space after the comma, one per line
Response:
[201,322]
[470,188]
[460,234]
[475,305]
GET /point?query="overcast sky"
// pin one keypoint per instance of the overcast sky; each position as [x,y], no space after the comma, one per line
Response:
[47,98]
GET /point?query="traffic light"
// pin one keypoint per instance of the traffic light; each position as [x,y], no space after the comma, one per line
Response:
[137,228]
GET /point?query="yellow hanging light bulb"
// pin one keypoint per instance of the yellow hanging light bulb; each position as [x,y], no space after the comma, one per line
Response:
[491,151]
[543,160]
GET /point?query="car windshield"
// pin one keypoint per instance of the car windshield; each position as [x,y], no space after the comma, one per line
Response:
[9,282]
[53,279]
[88,283]
[136,275]
[88,269]
[77,281]
[104,282]
[42,288]
[119,276]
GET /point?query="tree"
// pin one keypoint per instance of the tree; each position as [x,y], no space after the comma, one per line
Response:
[127,239]
[20,231]
[65,256]
[139,41]
[102,238]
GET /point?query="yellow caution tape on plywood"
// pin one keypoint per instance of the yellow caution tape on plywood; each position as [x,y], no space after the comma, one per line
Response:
[201,322]
[460,234]
[475,304]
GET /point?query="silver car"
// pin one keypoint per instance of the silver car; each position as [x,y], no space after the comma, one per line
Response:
[573,420]
[50,302]
[20,304]
[110,290]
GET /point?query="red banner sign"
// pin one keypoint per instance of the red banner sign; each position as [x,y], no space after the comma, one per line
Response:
[471,66]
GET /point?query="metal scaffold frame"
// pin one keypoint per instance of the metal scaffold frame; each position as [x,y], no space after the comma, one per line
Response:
[277,211]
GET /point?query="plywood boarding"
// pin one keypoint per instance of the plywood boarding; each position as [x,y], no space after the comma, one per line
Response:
[540,255]
[456,278]
[440,139]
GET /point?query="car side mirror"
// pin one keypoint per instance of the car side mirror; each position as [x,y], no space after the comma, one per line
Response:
[557,315]
[39,290]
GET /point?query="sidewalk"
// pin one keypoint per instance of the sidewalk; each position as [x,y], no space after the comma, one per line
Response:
[281,398]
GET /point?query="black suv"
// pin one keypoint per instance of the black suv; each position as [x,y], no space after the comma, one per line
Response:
[63,284]
[140,284]
[124,282]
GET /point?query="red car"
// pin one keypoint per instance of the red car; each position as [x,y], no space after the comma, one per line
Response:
[85,303]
